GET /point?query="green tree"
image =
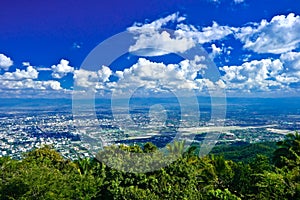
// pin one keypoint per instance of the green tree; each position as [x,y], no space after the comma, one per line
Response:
[44,174]
[291,142]
[149,147]
[176,148]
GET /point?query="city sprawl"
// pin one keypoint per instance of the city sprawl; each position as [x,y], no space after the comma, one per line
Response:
[28,124]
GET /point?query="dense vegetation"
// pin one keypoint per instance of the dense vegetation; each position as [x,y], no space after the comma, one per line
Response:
[44,174]
[245,152]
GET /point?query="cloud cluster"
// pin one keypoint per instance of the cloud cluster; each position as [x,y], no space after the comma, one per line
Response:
[279,71]
[62,69]
[26,79]
[263,75]
[157,76]
[161,43]
[154,41]
[256,75]
[29,73]
[30,84]
[183,78]
[278,36]
[153,77]
[92,80]
[291,61]
[5,62]
[206,34]
[159,40]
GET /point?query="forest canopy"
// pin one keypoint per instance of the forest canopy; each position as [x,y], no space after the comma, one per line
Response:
[256,171]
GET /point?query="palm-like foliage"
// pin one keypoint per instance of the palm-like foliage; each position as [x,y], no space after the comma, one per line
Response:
[85,166]
[44,174]
[177,148]
[290,144]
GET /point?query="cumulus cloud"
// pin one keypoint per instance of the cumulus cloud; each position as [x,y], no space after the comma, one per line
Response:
[5,62]
[152,39]
[29,73]
[161,43]
[278,36]
[215,51]
[54,85]
[30,84]
[158,77]
[258,75]
[153,77]
[91,79]
[62,69]
[26,79]
[104,73]
[291,60]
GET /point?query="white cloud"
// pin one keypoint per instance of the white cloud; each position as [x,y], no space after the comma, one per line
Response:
[25,63]
[76,45]
[214,32]
[5,62]
[85,78]
[206,34]
[43,69]
[104,73]
[215,51]
[30,84]
[150,40]
[29,73]
[238,1]
[153,77]
[291,60]
[278,36]
[161,43]
[54,85]
[155,25]
[158,77]
[26,79]
[257,75]
[91,79]
[220,83]
[62,69]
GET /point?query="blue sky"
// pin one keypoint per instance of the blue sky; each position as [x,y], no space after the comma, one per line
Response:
[253,44]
